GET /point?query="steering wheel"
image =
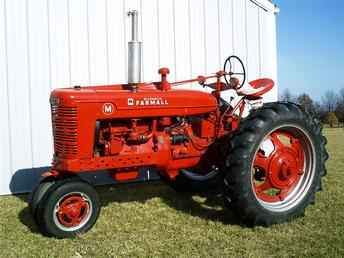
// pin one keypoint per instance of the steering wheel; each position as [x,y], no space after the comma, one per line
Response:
[229,73]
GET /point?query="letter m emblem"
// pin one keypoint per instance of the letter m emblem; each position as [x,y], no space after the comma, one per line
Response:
[108,108]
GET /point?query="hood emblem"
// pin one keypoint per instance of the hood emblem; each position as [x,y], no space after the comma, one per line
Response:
[108,108]
[148,101]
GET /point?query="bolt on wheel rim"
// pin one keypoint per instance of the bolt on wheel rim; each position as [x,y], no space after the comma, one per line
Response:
[72,211]
[283,168]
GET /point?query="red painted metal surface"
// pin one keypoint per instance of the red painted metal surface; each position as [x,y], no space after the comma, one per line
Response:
[125,176]
[164,83]
[119,129]
[282,169]
[262,85]
[72,210]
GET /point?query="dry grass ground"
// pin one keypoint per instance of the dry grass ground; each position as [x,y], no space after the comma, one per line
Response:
[152,220]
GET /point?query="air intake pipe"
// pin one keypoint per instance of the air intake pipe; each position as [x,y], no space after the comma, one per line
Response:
[134,52]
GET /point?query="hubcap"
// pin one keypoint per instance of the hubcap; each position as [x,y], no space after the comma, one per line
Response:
[282,175]
[72,211]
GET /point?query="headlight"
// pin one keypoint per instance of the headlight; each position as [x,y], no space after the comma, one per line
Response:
[54,100]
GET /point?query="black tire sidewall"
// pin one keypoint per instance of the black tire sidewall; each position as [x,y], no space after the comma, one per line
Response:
[247,205]
[299,208]
[47,206]
[37,195]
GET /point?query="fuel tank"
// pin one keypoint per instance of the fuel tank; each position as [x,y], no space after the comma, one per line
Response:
[119,101]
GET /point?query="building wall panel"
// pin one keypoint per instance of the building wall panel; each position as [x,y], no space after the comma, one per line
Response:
[47,44]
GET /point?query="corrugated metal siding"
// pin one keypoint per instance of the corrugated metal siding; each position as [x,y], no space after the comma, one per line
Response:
[46,44]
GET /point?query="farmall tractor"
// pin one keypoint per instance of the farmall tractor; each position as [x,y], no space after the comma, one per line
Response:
[267,159]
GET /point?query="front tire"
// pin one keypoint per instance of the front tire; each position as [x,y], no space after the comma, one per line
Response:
[274,164]
[69,208]
[37,195]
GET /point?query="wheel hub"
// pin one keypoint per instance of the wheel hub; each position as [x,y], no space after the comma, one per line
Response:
[282,168]
[72,211]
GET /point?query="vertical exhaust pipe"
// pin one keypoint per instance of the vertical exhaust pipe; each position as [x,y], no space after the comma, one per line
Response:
[134,52]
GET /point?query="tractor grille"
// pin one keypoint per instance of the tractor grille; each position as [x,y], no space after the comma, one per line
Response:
[65,130]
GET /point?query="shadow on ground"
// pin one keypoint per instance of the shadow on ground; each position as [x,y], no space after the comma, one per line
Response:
[210,208]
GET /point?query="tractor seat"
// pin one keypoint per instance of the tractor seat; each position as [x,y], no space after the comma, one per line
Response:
[257,88]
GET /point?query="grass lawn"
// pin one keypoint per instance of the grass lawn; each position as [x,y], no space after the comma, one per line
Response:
[152,220]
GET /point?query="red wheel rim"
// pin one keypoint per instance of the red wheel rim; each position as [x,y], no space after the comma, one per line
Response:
[277,174]
[73,210]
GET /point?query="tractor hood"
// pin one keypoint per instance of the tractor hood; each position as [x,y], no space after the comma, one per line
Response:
[147,101]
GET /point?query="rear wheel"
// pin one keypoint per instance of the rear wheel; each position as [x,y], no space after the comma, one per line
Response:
[274,164]
[70,207]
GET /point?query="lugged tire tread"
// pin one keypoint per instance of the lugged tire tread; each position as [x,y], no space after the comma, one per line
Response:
[241,145]
[45,221]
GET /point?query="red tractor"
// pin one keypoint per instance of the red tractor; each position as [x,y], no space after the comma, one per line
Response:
[267,158]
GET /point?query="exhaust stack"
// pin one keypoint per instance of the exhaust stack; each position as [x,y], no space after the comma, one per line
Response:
[134,52]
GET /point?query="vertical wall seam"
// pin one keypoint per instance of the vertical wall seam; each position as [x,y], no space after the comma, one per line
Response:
[10,149]
[190,38]
[49,52]
[246,41]
[142,48]
[29,84]
[158,25]
[232,14]
[275,53]
[107,42]
[49,45]
[69,45]
[259,42]
[125,41]
[219,32]
[174,38]
[205,38]
[88,42]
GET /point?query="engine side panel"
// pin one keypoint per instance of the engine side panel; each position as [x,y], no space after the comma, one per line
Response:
[120,130]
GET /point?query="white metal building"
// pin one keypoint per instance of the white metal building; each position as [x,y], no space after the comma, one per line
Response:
[46,44]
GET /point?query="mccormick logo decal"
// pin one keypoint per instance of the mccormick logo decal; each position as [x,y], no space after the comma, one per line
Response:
[108,108]
[149,101]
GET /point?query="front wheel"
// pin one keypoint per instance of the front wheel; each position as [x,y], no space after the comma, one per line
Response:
[274,164]
[69,207]
[37,195]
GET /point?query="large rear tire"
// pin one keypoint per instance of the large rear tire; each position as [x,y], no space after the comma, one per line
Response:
[274,164]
